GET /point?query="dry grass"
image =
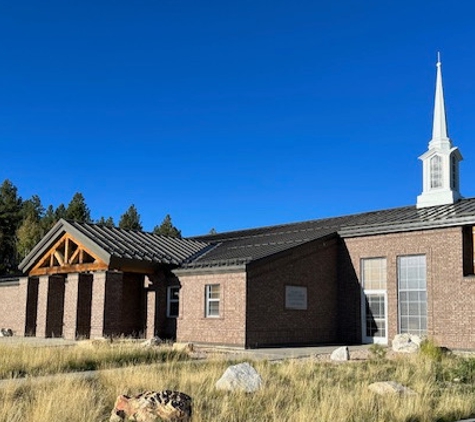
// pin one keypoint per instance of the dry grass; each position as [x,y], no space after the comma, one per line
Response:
[294,390]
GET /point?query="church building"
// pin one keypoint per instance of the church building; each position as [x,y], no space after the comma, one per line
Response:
[360,278]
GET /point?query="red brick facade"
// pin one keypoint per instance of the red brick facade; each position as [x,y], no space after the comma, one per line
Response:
[253,306]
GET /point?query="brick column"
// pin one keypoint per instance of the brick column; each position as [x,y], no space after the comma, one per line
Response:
[106,304]
[42,314]
[20,329]
[71,306]
[98,304]
[151,311]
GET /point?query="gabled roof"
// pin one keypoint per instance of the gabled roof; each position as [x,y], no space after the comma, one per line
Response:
[117,247]
[244,246]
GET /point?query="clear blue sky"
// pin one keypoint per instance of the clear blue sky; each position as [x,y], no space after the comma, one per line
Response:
[231,114]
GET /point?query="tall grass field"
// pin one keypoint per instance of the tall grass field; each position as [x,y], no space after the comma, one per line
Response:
[293,390]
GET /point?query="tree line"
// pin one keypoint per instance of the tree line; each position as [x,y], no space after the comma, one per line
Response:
[24,222]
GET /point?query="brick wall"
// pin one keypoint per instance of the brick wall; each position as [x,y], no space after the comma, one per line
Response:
[229,328]
[314,266]
[13,307]
[450,294]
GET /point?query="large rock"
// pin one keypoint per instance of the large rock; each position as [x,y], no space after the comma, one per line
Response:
[390,387]
[241,377]
[342,354]
[153,406]
[406,343]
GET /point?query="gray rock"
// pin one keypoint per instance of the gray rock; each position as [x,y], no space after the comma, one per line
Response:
[151,342]
[390,387]
[341,354]
[241,377]
[406,343]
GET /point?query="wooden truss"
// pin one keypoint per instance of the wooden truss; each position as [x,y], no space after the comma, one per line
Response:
[68,256]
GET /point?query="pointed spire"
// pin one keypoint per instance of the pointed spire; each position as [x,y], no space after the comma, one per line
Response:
[439,128]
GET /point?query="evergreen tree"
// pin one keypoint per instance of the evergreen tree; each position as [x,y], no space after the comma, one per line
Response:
[77,209]
[167,228]
[130,219]
[10,220]
[60,212]
[31,229]
[49,219]
[213,231]
[109,222]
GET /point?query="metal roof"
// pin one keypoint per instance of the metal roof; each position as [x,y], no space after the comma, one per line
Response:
[116,246]
[236,248]
[247,245]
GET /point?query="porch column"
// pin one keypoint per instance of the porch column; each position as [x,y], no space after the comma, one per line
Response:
[150,308]
[22,306]
[106,304]
[42,313]
[71,306]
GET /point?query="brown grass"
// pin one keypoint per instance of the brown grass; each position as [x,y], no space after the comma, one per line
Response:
[294,390]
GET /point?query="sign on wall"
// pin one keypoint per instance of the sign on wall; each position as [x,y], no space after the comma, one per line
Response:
[296,297]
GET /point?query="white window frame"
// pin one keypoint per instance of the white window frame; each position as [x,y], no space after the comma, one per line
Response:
[209,300]
[436,172]
[381,292]
[171,300]
[415,291]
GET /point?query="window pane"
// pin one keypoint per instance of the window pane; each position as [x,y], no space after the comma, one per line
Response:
[212,300]
[412,294]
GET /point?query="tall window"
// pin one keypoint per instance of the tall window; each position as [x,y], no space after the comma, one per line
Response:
[436,171]
[212,300]
[412,294]
[374,277]
[173,301]
[454,173]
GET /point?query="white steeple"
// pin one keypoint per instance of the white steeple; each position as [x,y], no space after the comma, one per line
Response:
[441,161]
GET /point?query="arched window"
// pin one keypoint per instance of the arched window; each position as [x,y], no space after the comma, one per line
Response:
[436,172]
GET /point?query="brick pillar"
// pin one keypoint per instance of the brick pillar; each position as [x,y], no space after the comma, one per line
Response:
[98,304]
[42,314]
[106,304]
[71,306]
[20,329]
[150,309]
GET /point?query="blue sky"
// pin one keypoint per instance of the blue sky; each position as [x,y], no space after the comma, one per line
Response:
[231,115]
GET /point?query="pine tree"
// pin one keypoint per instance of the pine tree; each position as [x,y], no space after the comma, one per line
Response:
[60,212]
[31,229]
[130,219]
[109,222]
[77,209]
[10,220]
[167,228]
[49,219]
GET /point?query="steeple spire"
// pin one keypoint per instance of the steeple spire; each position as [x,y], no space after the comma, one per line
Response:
[439,128]
[441,161]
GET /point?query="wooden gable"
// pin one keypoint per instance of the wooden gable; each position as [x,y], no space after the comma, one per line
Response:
[68,255]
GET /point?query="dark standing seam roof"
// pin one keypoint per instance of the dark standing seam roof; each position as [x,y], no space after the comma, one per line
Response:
[240,247]
[141,246]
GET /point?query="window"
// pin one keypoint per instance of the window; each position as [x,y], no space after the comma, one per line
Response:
[173,301]
[436,171]
[454,173]
[374,300]
[212,300]
[412,294]
[468,250]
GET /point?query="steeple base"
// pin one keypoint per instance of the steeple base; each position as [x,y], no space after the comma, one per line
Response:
[430,199]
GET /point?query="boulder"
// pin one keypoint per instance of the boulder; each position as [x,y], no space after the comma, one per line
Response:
[153,406]
[241,377]
[390,387]
[152,342]
[183,347]
[342,354]
[406,343]
[6,332]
